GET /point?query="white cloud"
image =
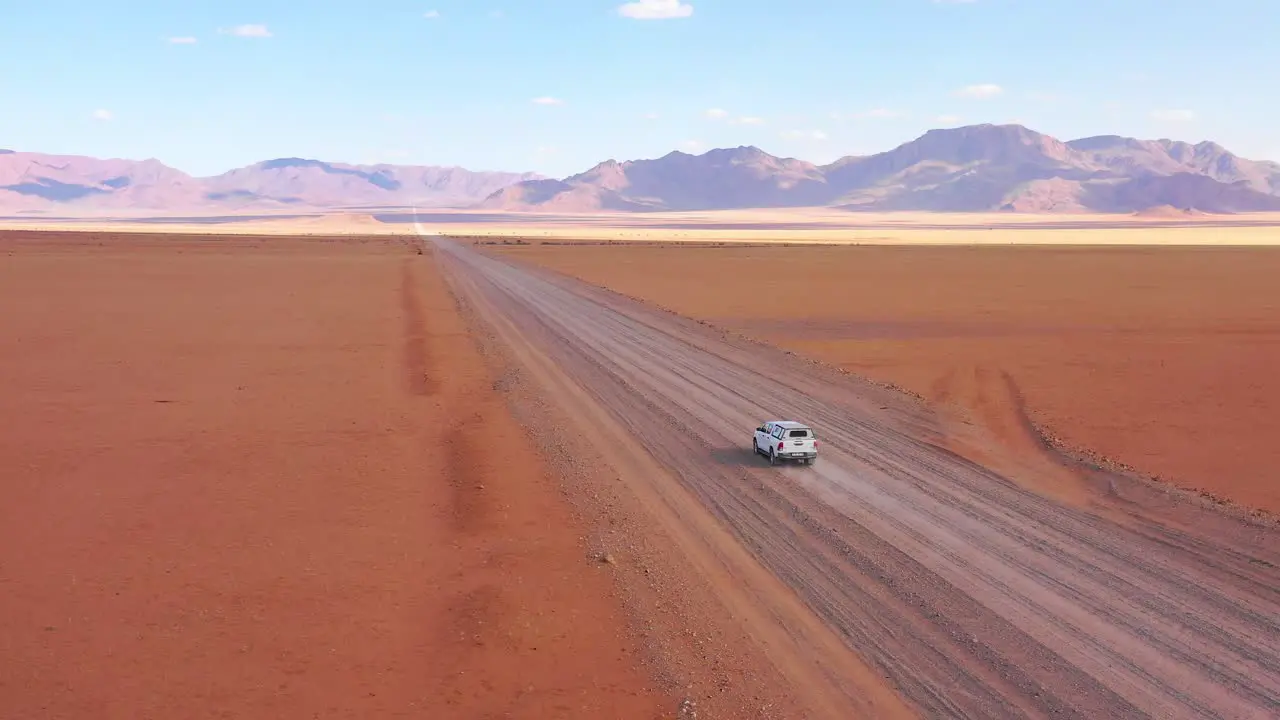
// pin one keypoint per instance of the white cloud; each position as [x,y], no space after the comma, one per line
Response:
[717,114]
[103,115]
[651,116]
[431,14]
[547,100]
[1173,115]
[817,135]
[248,31]
[692,145]
[655,10]
[980,92]
[182,40]
[748,120]
[949,119]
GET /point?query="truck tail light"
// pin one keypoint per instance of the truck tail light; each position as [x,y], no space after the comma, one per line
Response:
[780,446]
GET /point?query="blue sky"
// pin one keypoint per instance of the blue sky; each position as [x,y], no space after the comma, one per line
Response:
[557,85]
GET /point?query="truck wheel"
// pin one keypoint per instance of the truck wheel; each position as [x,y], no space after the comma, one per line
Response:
[755,446]
[773,459]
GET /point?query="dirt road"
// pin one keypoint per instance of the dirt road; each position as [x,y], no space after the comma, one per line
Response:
[973,596]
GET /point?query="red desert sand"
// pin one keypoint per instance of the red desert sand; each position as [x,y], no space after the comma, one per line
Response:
[248,478]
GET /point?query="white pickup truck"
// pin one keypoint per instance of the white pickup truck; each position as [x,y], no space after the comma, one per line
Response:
[785,440]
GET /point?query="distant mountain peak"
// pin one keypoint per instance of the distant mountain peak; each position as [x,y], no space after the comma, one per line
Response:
[740,151]
[609,174]
[1006,129]
[1210,146]
[1101,142]
[291,162]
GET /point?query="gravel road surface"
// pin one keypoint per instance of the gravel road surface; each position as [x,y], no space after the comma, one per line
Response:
[973,596]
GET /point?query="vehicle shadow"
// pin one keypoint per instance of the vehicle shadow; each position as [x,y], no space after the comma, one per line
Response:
[737,457]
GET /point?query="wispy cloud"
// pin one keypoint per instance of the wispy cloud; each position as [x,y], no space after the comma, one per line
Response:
[953,2]
[717,113]
[103,115]
[431,14]
[651,116]
[692,145]
[747,120]
[247,31]
[948,119]
[547,100]
[655,10]
[1179,116]
[497,14]
[982,91]
[182,40]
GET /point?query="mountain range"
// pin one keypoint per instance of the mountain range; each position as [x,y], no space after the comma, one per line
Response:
[38,183]
[974,168]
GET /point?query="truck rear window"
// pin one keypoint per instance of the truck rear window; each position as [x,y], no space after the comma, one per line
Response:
[798,433]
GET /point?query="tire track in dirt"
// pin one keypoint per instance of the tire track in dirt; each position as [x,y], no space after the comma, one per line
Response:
[478,616]
[984,418]
[466,467]
[419,370]
[464,457]
[999,602]
[525,627]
